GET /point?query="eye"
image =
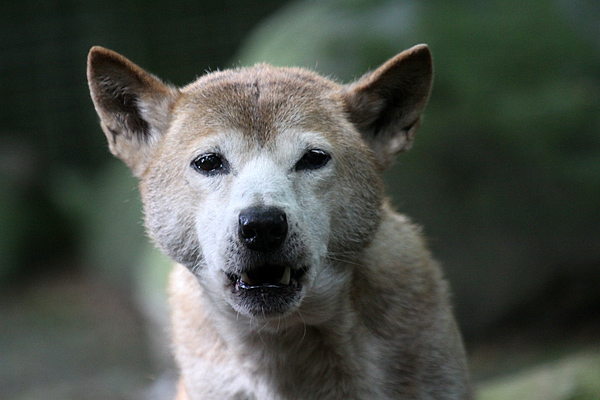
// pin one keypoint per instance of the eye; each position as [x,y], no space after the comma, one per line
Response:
[210,164]
[313,159]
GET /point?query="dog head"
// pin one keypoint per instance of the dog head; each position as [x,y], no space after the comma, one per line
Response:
[261,179]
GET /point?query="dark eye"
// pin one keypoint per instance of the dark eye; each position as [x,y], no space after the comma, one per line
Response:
[210,164]
[313,159]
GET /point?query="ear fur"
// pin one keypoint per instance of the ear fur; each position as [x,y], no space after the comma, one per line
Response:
[133,105]
[386,104]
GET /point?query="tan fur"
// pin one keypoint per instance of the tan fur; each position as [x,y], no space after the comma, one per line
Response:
[368,315]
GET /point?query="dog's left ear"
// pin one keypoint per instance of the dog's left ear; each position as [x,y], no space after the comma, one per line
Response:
[386,104]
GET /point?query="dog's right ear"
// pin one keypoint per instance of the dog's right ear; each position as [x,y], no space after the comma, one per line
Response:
[133,105]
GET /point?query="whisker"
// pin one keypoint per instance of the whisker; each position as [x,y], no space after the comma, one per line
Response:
[341,259]
[304,327]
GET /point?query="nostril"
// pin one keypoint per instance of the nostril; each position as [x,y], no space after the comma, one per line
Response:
[263,228]
[246,230]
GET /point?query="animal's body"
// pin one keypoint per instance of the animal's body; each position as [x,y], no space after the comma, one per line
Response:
[294,279]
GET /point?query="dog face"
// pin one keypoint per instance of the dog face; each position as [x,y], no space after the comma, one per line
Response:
[261,179]
[269,172]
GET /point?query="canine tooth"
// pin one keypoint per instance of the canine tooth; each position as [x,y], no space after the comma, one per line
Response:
[287,274]
[245,278]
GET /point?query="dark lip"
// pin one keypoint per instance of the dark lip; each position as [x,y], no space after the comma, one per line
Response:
[260,280]
[263,297]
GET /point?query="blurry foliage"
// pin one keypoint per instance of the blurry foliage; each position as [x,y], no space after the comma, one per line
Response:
[505,171]
[574,377]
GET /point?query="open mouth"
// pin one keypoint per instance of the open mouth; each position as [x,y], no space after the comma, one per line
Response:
[267,290]
[267,276]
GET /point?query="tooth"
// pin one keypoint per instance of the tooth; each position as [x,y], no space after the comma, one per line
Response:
[285,279]
[246,279]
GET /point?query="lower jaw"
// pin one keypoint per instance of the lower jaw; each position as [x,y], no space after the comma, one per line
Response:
[267,302]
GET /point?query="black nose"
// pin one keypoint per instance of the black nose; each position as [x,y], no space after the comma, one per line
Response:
[263,228]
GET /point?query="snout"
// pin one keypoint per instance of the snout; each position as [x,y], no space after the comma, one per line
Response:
[263,229]
[268,267]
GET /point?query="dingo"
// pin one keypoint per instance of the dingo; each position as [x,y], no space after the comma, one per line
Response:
[295,278]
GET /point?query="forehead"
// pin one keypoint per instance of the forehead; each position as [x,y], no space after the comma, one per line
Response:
[261,102]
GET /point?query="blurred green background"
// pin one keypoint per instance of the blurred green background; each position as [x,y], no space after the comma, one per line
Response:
[504,176]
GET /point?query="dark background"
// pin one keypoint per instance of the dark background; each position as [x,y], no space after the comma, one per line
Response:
[504,176]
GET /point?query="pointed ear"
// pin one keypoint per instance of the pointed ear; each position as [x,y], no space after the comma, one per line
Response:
[133,105]
[386,105]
